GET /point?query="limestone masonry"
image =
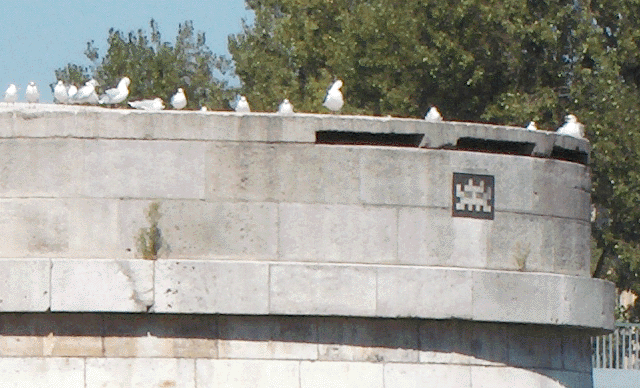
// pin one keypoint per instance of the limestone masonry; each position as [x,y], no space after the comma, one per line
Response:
[210,249]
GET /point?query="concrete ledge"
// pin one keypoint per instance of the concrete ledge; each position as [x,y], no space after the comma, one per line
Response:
[257,288]
[49,120]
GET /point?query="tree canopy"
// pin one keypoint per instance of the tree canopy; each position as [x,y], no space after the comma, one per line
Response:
[506,61]
[157,68]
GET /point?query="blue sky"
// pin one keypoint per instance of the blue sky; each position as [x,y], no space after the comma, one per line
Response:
[39,36]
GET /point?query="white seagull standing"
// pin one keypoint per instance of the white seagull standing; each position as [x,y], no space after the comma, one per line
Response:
[285,108]
[333,100]
[86,94]
[155,104]
[60,93]
[71,92]
[31,94]
[433,115]
[179,100]
[532,126]
[11,95]
[571,127]
[117,94]
[242,106]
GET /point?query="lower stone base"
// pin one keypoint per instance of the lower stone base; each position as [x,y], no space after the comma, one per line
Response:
[164,350]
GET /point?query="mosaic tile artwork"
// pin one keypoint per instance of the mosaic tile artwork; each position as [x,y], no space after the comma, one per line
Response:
[473,196]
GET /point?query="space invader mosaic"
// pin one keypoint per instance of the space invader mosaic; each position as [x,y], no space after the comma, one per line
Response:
[473,196]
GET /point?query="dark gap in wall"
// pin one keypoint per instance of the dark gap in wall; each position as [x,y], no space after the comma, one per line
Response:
[569,155]
[495,146]
[365,138]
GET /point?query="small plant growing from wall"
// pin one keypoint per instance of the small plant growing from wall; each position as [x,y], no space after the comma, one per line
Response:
[150,239]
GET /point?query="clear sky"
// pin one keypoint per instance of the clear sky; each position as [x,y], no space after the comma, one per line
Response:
[39,36]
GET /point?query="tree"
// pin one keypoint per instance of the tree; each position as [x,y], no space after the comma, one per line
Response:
[505,62]
[157,68]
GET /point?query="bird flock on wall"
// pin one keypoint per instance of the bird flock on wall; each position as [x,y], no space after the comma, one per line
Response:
[334,101]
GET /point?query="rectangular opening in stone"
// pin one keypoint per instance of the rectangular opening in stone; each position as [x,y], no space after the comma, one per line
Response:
[495,146]
[569,155]
[366,138]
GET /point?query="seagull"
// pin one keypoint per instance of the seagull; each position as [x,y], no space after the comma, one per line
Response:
[31,94]
[60,93]
[117,94]
[86,93]
[433,115]
[179,100]
[242,106]
[71,92]
[333,100]
[571,127]
[285,108]
[203,109]
[155,104]
[11,95]
[532,126]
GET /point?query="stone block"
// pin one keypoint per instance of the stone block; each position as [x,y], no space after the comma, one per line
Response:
[36,372]
[160,335]
[247,374]
[535,346]
[40,167]
[458,342]
[337,233]
[433,237]
[366,340]
[389,176]
[322,290]
[219,126]
[317,174]
[515,244]
[562,189]
[332,374]
[24,284]
[509,377]
[152,169]
[576,351]
[93,228]
[260,127]
[196,229]
[267,337]
[516,297]
[241,172]
[140,372]
[101,285]
[301,128]
[578,292]
[190,286]
[425,375]
[34,227]
[46,334]
[424,292]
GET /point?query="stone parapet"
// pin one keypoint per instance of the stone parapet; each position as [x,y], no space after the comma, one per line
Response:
[260,288]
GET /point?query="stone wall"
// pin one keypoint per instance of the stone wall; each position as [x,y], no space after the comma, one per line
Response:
[158,350]
[306,250]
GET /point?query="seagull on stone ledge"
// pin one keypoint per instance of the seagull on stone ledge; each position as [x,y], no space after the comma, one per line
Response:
[571,127]
[117,94]
[31,94]
[532,126]
[433,115]
[334,100]
[242,106]
[11,95]
[155,104]
[179,100]
[60,93]
[285,108]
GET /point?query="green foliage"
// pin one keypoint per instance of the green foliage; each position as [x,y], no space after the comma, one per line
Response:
[506,61]
[150,239]
[157,68]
